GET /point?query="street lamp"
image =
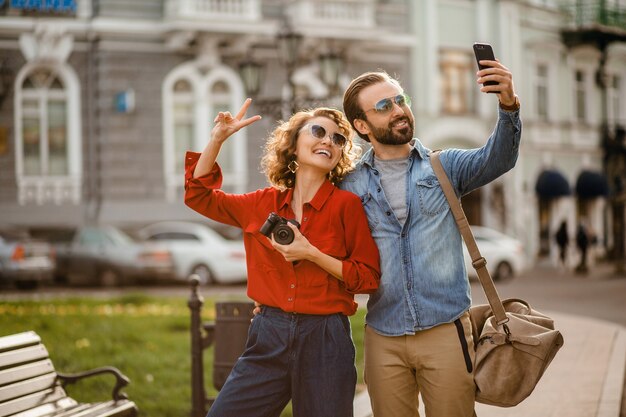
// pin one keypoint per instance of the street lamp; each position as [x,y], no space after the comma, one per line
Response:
[6,79]
[288,44]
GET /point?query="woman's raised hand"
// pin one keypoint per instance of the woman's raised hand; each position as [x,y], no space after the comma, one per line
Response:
[226,124]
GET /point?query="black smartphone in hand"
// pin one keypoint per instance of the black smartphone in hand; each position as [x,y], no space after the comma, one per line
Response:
[484,51]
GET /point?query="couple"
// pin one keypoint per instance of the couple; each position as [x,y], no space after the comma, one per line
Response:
[418,336]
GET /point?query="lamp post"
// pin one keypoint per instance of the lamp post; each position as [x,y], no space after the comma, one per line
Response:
[288,44]
[6,79]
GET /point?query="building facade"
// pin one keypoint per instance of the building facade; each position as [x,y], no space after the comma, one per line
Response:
[100,99]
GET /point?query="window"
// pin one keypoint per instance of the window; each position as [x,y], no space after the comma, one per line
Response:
[541,91]
[183,123]
[456,82]
[580,96]
[47,134]
[44,125]
[614,100]
[220,95]
[191,99]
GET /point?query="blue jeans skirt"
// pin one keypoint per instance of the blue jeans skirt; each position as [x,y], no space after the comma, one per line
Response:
[308,359]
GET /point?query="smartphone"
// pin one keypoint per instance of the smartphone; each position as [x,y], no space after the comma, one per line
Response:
[484,51]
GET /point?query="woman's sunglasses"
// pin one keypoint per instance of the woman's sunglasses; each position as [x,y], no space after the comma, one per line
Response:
[386,105]
[319,132]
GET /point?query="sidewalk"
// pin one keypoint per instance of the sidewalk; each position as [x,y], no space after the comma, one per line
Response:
[585,379]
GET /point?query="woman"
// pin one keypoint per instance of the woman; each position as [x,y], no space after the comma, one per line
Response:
[299,347]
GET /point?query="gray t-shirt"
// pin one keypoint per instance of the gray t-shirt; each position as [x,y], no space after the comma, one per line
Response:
[393,179]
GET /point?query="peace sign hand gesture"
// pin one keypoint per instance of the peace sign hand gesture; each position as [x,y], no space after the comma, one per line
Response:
[226,124]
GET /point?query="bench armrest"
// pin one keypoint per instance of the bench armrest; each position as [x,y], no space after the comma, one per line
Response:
[121,379]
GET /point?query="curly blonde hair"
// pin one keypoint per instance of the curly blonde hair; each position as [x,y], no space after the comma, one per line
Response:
[281,145]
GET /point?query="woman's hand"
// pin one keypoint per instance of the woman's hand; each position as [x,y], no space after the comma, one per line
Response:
[226,124]
[299,249]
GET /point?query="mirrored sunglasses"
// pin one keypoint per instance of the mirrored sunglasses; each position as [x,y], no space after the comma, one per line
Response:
[319,132]
[386,105]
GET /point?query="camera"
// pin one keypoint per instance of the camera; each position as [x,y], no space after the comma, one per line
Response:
[278,226]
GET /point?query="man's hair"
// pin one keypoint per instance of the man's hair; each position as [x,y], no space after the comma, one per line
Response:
[281,145]
[351,105]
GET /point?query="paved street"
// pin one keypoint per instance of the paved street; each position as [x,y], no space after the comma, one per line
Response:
[600,295]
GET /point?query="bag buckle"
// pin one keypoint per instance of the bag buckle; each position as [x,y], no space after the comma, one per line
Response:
[479,263]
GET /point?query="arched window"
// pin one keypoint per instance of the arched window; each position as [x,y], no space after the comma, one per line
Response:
[183,122]
[47,136]
[191,99]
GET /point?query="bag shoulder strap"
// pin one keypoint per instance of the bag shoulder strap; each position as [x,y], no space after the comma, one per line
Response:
[478,261]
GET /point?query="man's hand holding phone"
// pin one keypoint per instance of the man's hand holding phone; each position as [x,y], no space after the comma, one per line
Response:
[494,77]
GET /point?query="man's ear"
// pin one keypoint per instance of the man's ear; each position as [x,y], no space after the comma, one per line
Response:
[361,127]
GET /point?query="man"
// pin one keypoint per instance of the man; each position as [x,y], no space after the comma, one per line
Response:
[418,337]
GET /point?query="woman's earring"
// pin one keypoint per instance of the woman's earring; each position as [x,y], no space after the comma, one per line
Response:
[293,166]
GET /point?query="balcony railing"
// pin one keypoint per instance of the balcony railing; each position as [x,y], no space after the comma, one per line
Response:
[344,13]
[247,10]
[594,13]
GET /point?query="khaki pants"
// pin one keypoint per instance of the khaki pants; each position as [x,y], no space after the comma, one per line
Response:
[432,362]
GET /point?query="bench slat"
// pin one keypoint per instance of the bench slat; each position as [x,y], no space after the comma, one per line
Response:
[23,355]
[27,387]
[33,400]
[17,340]
[122,408]
[64,405]
[20,373]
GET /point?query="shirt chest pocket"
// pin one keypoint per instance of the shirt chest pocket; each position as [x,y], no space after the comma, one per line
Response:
[372,210]
[432,200]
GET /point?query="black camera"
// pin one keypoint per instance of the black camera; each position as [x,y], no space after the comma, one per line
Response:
[278,226]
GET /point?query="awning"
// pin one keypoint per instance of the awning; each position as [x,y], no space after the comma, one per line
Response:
[591,184]
[552,184]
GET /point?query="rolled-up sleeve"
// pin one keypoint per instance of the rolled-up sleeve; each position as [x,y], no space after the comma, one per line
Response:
[361,268]
[203,195]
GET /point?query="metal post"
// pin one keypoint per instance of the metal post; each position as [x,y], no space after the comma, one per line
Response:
[198,393]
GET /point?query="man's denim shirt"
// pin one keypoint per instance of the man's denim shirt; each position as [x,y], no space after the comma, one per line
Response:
[424,282]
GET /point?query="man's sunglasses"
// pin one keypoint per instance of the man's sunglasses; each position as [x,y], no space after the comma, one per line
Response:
[386,105]
[319,132]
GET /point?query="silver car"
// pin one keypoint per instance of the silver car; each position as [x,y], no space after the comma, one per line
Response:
[504,254]
[23,261]
[198,249]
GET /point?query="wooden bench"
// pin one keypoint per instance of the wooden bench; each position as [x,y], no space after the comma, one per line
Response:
[30,387]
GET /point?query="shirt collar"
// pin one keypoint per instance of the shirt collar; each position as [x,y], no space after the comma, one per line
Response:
[322,195]
[416,148]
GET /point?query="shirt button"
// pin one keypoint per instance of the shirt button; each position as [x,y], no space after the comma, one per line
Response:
[305,219]
[293,285]
[388,213]
[290,299]
[375,172]
[403,235]
[378,190]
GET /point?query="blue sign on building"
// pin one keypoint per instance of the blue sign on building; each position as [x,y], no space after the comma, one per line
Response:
[43,5]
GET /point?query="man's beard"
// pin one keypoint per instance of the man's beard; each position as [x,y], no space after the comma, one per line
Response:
[386,135]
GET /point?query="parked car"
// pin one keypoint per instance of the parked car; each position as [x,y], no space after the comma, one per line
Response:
[107,256]
[505,255]
[198,249]
[23,261]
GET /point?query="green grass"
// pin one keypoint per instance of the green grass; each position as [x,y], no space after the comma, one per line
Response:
[147,338]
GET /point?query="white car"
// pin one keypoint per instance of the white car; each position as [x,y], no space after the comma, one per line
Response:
[505,255]
[198,249]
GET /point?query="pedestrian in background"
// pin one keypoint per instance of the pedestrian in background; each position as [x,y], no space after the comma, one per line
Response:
[582,242]
[562,241]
